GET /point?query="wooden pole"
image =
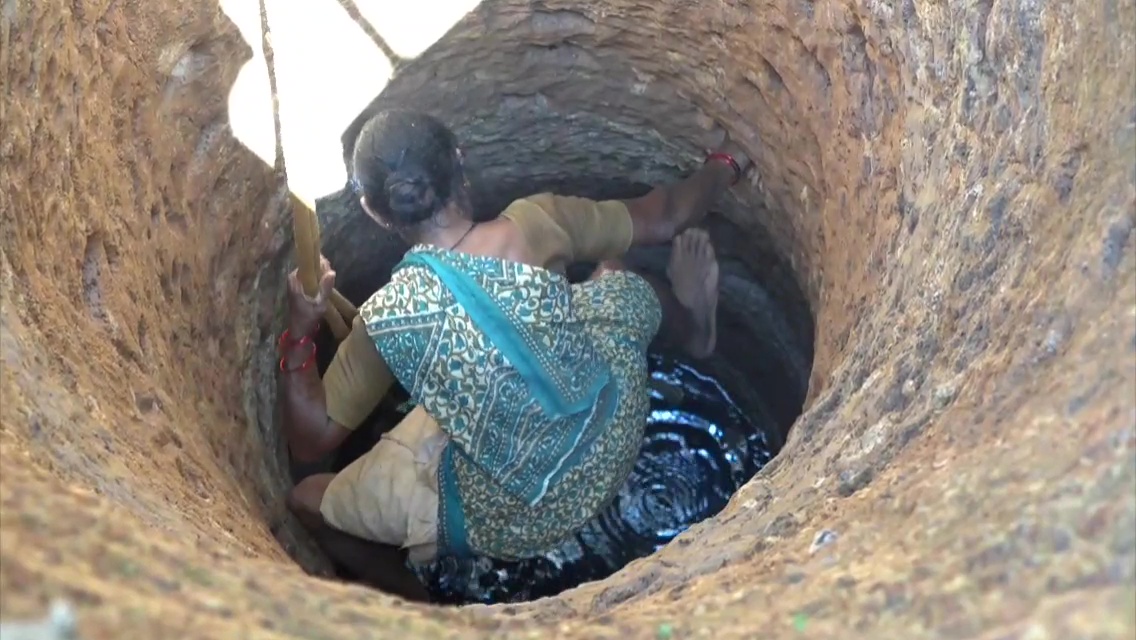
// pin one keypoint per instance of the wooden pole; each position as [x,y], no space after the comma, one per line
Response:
[306,229]
[304,224]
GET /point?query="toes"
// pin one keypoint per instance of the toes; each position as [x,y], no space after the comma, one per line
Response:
[703,246]
[692,241]
[700,241]
[707,248]
[693,246]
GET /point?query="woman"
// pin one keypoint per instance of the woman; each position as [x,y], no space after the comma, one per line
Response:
[531,392]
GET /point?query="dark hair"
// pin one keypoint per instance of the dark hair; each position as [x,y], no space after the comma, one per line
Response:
[407,166]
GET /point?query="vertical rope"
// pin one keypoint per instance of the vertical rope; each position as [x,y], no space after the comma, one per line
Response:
[305,227]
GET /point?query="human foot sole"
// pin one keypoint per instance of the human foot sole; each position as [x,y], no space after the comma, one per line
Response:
[693,272]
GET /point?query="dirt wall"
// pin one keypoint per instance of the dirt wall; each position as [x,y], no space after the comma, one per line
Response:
[952,185]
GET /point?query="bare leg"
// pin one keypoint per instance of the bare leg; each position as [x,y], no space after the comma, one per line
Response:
[378,565]
[693,272]
[304,499]
[690,299]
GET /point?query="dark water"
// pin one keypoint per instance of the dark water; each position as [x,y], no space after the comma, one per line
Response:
[698,449]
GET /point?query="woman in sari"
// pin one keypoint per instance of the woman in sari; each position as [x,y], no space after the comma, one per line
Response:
[531,393]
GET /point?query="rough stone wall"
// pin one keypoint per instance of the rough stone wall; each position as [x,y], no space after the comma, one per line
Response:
[953,182]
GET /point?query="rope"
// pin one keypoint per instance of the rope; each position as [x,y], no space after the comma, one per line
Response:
[305,227]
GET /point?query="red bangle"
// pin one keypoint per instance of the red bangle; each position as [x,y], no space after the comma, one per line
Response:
[729,159]
[306,364]
[287,341]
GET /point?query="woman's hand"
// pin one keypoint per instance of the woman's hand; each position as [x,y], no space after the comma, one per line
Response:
[304,312]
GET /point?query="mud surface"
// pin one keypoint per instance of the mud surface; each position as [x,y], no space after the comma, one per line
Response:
[951,185]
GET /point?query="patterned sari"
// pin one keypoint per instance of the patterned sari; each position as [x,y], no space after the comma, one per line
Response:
[541,386]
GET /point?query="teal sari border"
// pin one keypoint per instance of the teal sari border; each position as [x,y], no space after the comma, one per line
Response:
[453,534]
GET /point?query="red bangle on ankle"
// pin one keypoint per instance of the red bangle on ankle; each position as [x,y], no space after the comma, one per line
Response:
[728,159]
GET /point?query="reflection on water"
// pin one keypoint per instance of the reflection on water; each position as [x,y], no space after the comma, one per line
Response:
[698,449]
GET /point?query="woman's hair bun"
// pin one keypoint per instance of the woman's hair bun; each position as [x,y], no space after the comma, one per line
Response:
[407,167]
[410,196]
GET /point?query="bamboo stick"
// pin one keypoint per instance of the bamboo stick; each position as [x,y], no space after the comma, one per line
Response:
[306,229]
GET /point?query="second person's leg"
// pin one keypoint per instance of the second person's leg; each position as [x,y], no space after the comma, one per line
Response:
[690,299]
[382,566]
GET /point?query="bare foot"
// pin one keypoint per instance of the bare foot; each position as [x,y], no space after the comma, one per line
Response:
[693,271]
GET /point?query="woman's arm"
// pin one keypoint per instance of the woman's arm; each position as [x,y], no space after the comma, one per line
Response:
[567,228]
[668,209]
[584,230]
[309,430]
[320,414]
